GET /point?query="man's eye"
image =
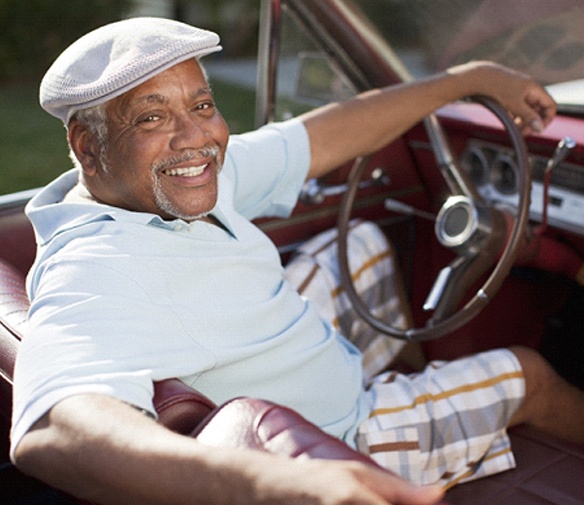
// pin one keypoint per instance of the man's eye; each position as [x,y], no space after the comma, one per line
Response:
[149,119]
[205,106]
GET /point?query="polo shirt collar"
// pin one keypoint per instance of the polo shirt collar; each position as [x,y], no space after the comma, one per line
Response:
[51,216]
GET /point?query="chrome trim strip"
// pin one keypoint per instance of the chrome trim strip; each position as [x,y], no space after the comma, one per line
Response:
[268,53]
[18,199]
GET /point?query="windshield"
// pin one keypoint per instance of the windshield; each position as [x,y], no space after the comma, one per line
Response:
[544,38]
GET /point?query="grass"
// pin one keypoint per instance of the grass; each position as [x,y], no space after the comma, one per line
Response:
[33,150]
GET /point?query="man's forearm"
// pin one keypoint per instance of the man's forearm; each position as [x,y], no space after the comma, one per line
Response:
[343,131]
[100,449]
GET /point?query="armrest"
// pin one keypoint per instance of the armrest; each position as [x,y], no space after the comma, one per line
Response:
[180,408]
[265,426]
[245,422]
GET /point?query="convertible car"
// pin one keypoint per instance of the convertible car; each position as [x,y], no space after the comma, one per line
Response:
[488,226]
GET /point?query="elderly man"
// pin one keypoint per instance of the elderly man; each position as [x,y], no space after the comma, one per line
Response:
[149,267]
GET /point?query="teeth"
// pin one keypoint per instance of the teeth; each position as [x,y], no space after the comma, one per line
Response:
[188,172]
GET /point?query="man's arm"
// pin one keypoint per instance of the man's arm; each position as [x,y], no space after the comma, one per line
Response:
[340,132]
[101,449]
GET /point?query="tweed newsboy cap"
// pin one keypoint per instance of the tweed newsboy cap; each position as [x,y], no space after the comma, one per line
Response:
[117,57]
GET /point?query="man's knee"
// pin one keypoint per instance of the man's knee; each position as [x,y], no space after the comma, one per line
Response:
[539,374]
[541,380]
[551,403]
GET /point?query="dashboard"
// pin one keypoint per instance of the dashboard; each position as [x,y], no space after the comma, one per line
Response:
[493,170]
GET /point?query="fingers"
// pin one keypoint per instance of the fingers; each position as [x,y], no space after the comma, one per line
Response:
[532,106]
[398,491]
[543,108]
[427,495]
[535,111]
[412,495]
[529,104]
[328,482]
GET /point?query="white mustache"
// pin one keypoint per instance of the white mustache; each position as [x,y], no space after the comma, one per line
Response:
[189,155]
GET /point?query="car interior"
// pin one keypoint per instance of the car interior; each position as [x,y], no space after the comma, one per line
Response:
[506,271]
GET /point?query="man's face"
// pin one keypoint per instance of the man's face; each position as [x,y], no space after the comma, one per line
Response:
[165,146]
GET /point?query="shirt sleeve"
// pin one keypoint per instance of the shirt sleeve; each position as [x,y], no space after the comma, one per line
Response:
[82,337]
[268,168]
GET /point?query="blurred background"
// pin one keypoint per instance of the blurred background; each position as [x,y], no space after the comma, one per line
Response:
[33,148]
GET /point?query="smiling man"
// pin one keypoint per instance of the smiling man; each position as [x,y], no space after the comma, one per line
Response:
[150,147]
[149,267]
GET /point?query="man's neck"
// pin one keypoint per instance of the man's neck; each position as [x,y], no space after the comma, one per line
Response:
[79,194]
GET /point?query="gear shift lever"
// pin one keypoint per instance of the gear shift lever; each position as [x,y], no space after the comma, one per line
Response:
[561,152]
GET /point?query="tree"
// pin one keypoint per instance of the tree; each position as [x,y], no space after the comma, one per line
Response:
[34,32]
[236,21]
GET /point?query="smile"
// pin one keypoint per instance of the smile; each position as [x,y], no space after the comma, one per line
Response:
[187,171]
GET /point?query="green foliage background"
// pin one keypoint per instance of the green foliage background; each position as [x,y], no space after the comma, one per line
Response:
[33,149]
[32,32]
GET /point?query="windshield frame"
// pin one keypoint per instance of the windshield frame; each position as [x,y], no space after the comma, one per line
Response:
[369,54]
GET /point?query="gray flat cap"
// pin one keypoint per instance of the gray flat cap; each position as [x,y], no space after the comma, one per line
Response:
[117,57]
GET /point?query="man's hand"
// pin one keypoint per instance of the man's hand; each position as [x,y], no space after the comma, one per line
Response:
[530,104]
[285,481]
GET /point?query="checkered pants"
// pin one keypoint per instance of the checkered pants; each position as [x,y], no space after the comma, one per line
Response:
[444,425]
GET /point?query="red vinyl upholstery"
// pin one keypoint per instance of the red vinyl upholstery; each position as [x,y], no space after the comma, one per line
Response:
[17,242]
[180,408]
[13,313]
[267,427]
[549,472]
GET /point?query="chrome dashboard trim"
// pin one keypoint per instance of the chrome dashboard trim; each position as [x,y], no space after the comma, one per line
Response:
[566,190]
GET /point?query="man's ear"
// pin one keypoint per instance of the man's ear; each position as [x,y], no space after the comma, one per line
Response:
[85,146]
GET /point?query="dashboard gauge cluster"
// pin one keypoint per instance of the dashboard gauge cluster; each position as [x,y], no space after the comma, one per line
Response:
[493,170]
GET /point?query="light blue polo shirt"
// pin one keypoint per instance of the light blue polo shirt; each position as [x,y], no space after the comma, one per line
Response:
[121,299]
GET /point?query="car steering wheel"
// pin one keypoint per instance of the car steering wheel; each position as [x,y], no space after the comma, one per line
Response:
[465,224]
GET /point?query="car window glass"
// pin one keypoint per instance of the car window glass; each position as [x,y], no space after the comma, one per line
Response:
[306,78]
[542,38]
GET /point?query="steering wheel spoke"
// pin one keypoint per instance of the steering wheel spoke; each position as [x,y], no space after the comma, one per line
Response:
[445,291]
[454,281]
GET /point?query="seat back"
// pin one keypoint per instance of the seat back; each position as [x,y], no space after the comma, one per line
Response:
[180,408]
[13,313]
[264,426]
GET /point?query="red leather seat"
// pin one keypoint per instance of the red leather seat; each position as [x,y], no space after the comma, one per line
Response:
[180,408]
[549,471]
[13,313]
[245,422]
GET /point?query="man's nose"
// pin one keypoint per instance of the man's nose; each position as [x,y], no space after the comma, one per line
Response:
[189,132]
